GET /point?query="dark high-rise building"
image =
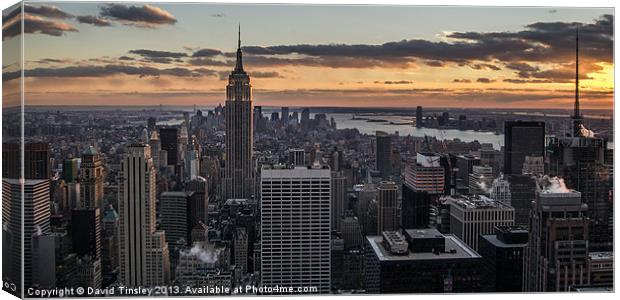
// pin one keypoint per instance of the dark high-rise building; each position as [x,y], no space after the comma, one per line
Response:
[383,153]
[339,198]
[580,161]
[169,137]
[285,115]
[416,208]
[421,261]
[521,139]
[502,259]
[557,251]
[70,170]
[305,118]
[239,171]
[36,160]
[522,193]
[175,218]
[86,232]
[387,207]
[419,117]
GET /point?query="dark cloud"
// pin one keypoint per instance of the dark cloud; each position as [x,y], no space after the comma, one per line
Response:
[51,61]
[521,81]
[93,20]
[208,62]
[521,67]
[126,58]
[541,42]
[207,53]
[461,80]
[159,60]
[328,61]
[395,82]
[484,80]
[482,66]
[559,75]
[259,74]
[47,11]
[156,53]
[141,16]
[105,70]
[35,24]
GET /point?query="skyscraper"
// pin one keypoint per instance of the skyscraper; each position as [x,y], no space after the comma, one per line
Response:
[424,180]
[156,148]
[472,216]
[425,174]
[521,139]
[169,137]
[91,179]
[36,160]
[143,250]
[241,250]
[285,115]
[110,242]
[419,118]
[383,144]
[502,258]
[580,160]
[86,232]
[387,215]
[557,251]
[25,212]
[295,251]
[70,169]
[239,171]
[339,198]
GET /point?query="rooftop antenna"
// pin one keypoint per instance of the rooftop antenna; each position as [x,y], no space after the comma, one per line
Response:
[577,121]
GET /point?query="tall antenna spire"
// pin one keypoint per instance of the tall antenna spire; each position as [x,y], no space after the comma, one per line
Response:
[577,113]
[239,65]
[577,122]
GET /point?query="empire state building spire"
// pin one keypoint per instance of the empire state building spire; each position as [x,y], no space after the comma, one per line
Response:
[239,64]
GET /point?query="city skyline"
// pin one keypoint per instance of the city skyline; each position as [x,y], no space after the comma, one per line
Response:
[429,56]
[241,199]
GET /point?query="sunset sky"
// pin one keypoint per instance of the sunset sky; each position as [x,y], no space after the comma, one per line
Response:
[388,56]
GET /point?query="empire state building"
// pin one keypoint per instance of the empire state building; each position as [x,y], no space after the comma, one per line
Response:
[238,171]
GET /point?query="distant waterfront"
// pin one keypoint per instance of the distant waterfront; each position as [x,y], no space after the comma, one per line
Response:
[401,124]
